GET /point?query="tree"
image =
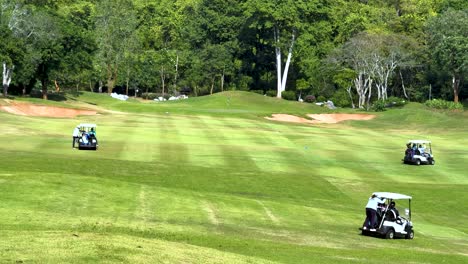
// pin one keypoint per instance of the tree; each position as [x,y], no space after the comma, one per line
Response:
[115,26]
[374,58]
[11,52]
[77,28]
[36,26]
[448,39]
[392,51]
[8,54]
[281,20]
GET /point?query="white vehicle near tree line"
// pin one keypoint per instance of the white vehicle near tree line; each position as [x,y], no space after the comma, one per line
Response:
[419,152]
[390,223]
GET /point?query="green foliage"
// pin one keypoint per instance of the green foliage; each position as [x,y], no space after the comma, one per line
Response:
[341,99]
[379,105]
[149,96]
[289,95]
[395,102]
[442,104]
[382,105]
[152,96]
[321,98]
[448,40]
[201,44]
[271,93]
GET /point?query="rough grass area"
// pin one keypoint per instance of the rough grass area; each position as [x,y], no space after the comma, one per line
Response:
[211,183]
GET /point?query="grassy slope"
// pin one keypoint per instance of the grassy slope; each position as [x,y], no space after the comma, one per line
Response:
[211,181]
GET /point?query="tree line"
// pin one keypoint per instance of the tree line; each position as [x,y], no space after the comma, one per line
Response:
[353,52]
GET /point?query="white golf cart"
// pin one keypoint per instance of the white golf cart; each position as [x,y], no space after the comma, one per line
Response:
[390,223]
[88,139]
[418,152]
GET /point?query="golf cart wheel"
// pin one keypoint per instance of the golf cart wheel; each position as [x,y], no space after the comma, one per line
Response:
[410,235]
[432,162]
[390,234]
[418,162]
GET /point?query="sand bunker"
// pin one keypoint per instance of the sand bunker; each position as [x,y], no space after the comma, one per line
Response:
[27,109]
[320,118]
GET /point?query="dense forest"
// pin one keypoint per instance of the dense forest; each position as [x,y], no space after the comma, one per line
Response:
[352,52]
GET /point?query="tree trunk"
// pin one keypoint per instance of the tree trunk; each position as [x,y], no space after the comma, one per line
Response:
[111,78]
[163,78]
[222,81]
[278,62]
[6,78]
[370,94]
[57,87]
[456,88]
[403,86]
[361,88]
[100,86]
[281,80]
[5,90]
[288,61]
[176,73]
[110,85]
[212,85]
[126,87]
[44,89]
[350,96]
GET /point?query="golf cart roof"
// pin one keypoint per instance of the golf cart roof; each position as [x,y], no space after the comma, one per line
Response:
[87,125]
[393,196]
[419,141]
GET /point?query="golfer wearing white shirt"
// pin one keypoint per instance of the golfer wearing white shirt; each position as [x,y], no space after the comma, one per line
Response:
[371,212]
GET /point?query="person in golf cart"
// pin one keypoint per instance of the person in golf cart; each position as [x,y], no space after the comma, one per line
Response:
[392,213]
[418,152]
[392,224]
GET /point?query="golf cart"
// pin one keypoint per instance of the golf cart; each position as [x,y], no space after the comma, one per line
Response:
[390,223]
[418,152]
[88,140]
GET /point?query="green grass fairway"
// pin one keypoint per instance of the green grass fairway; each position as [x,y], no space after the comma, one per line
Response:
[209,180]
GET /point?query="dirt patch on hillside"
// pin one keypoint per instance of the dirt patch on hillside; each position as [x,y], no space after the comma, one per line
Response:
[27,109]
[320,118]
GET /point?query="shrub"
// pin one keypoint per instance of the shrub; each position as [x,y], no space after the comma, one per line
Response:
[309,98]
[152,96]
[442,104]
[321,98]
[289,95]
[341,99]
[395,101]
[149,96]
[379,106]
[271,93]
[257,91]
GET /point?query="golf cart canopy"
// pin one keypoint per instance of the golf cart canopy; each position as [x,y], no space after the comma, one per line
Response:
[419,141]
[393,196]
[87,125]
